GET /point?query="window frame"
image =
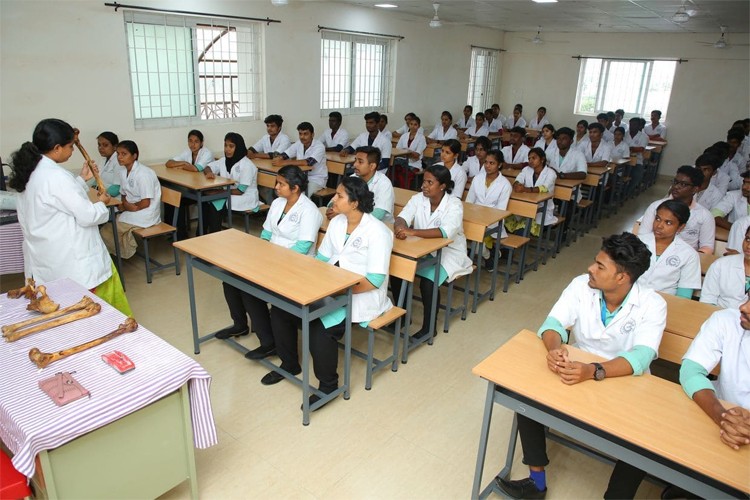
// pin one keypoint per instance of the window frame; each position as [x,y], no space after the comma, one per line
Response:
[488,86]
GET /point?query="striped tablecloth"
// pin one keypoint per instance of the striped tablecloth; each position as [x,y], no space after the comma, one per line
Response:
[30,422]
[11,248]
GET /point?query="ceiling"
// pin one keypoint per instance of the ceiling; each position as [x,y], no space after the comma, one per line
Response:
[580,16]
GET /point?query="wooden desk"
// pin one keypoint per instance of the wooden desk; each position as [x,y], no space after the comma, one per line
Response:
[266,165]
[684,319]
[296,287]
[626,418]
[112,206]
[722,234]
[597,180]
[706,260]
[193,186]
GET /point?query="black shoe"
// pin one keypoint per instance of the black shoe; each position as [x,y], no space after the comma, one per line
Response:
[232,331]
[260,352]
[314,398]
[489,264]
[271,378]
[422,334]
[520,488]
[674,492]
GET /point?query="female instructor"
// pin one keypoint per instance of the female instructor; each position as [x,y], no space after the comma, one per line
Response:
[60,224]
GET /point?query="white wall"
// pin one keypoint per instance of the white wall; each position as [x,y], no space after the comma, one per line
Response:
[67,59]
[709,93]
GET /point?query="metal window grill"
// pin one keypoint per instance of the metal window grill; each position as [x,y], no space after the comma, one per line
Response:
[483,77]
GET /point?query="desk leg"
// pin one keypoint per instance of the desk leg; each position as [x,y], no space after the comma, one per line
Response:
[118,254]
[600,202]
[476,256]
[306,365]
[348,344]
[496,260]
[435,305]
[193,311]
[483,436]
[200,212]
[229,207]
[407,321]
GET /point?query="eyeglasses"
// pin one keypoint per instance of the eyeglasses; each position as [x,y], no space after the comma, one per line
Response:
[681,184]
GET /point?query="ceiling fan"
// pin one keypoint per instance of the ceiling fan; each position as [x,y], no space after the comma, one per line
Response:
[537,40]
[687,10]
[722,43]
[436,22]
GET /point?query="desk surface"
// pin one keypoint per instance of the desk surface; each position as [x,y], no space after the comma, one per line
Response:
[636,409]
[299,278]
[191,180]
[399,152]
[531,197]
[336,157]
[685,316]
[265,165]
[472,213]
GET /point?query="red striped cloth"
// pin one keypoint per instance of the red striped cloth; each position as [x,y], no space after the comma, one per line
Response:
[30,422]
[11,249]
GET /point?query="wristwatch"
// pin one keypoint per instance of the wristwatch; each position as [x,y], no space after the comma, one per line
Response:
[599,372]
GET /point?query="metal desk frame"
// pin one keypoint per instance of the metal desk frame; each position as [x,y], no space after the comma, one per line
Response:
[198,196]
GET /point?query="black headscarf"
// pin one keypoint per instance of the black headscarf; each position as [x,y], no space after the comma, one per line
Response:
[240,150]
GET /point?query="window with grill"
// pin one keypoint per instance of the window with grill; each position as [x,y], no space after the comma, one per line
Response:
[184,70]
[356,73]
[636,86]
[483,78]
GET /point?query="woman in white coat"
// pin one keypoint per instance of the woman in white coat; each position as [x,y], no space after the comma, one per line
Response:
[449,154]
[675,266]
[293,221]
[536,178]
[727,281]
[106,143]
[413,140]
[237,166]
[60,224]
[355,241]
[443,130]
[547,142]
[434,213]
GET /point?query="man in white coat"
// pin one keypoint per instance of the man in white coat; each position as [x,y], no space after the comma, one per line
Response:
[307,151]
[275,141]
[372,137]
[734,205]
[608,314]
[335,138]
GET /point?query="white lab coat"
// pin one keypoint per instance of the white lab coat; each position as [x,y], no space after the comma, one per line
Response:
[471,166]
[464,122]
[438,134]
[245,173]
[737,233]
[316,151]
[660,129]
[639,141]
[547,148]
[581,144]
[715,192]
[602,153]
[496,195]
[61,228]
[449,217]
[641,320]
[340,139]
[510,123]
[608,136]
[110,171]
[722,339]
[458,176]
[734,205]
[496,125]
[700,229]
[381,141]
[203,158]
[418,145]
[301,223]
[367,250]
[620,151]
[679,266]
[538,124]
[622,124]
[483,131]
[141,184]
[279,145]
[724,284]
[404,129]
[382,189]
[547,179]
[521,156]
[573,161]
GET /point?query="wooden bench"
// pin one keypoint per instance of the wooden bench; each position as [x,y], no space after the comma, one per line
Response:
[173,198]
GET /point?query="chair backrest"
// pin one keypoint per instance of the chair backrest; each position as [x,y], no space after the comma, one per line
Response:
[564,193]
[522,209]
[405,269]
[172,197]
[266,180]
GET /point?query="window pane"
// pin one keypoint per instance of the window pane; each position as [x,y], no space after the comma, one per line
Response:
[624,86]
[588,85]
[660,88]
[483,78]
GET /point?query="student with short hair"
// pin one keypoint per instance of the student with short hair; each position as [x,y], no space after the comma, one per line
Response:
[656,131]
[581,138]
[479,129]
[537,177]
[366,160]
[540,120]
[620,148]
[566,161]
[734,205]
[637,141]
[383,127]
[700,230]
[372,137]
[335,138]
[405,127]
[443,130]
[597,151]
[473,164]
[497,116]
[434,213]
[618,122]
[604,121]
[515,120]
[547,140]
[735,163]
[106,143]
[274,142]
[467,120]
[493,125]
[675,266]
[728,167]
[737,235]
[449,154]
[415,142]
[727,280]
[307,151]
[610,314]
[517,153]
[715,182]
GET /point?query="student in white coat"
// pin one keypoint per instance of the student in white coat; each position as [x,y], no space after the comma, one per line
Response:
[547,140]
[618,121]
[194,159]
[355,241]
[106,143]
[516,120]
[737,235]
[237,166]
[566,161]
[444,130]
[60,225]
[620,148]
[700,230]
[734,205]
[434,213]
[581,139]
[517,153]
[141,201]
[637,141]
[274,142]
[656,131]
[414,140]
[335,138]
[597,151]
[494,125]
[675,266]
[292,222]
[467,120]
[490,189]
[727,281]
[536,178]
[307,151]
[449,154]
[473,164]
[403,129]
[540,119]
[372,137]
[366,160]
[383,127]
[479,129]
[715,182]
[611,315]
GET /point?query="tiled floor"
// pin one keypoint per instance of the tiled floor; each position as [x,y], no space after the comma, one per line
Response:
[413,436]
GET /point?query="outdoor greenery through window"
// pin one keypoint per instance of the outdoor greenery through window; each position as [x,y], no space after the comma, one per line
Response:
[186,69]
[635,86]
[356,73]
[483,78]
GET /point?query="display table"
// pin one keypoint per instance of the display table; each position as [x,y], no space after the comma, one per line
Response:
[132,437]
[11,243]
